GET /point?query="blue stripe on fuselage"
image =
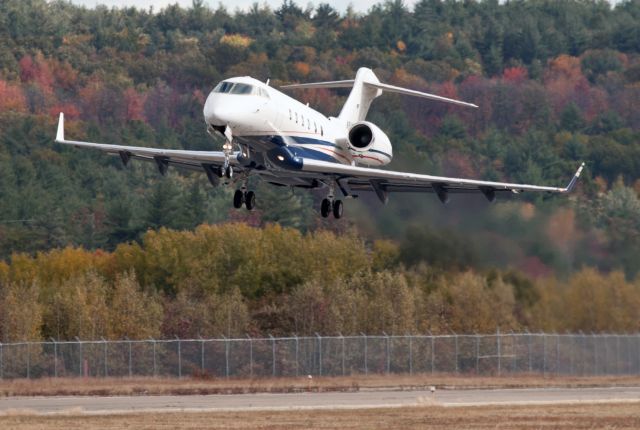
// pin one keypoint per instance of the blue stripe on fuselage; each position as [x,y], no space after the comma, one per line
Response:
[299,151]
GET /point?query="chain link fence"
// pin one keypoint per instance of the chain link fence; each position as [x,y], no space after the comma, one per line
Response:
[494,354]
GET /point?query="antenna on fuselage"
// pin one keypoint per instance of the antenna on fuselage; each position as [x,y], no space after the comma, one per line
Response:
[267,83]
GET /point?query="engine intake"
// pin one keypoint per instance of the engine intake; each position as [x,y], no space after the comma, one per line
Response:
[360,136]
[368,145]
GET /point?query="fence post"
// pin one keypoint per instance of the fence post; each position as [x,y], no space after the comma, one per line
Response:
[55,357]
[595,354]
[410,354]
[617,354]
[366,369]
[544,354]
[637,358]
[155,365]
[106,369]
[514,347]
[126,338]
[202,354]
[28,360]
[529,357]
[179,358]
[250,356]
[297,356]
[342,341]
[477,337]
[455,338]
[273,354]
[583,351]
[80,354]
[387,352]
[433,355]
[557,354]
[627,338]
[499,351]
[571,342]
[226,356]
[319,354]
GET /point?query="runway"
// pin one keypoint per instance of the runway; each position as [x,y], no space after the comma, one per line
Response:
[308,401]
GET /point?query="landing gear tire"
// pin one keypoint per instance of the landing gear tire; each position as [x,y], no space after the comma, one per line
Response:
[337,209]
[238,199]
[228,172]
[325,208]
[220,171]
[250,200]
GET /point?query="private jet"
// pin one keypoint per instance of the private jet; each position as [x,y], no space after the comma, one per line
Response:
[268,134]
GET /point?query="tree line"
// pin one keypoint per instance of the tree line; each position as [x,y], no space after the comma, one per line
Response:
[556,82]
[233,280]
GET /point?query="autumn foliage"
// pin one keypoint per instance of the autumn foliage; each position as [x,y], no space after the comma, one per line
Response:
[92,249]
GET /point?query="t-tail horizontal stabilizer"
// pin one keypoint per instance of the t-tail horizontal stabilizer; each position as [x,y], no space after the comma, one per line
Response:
[365,88]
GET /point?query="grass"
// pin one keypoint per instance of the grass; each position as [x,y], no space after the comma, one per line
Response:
[612,416]
[191,386]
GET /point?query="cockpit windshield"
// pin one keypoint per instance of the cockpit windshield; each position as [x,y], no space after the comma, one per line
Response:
[238,88]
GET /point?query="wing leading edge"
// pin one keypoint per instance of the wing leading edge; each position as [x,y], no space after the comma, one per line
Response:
[194,160]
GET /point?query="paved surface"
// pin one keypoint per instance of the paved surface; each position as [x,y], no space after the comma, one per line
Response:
[332,400]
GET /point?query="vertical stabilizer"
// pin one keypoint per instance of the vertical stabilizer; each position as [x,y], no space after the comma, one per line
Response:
[360,98]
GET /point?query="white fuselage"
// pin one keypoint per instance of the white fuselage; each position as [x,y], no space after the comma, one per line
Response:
[262,118]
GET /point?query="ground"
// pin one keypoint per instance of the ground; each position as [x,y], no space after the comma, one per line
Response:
[150,386]
[612,416]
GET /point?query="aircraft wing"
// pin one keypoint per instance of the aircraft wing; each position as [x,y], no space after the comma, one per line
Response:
[193,160]
[382,182]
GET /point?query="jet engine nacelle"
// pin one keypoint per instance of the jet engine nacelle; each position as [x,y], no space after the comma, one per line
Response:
[369,145]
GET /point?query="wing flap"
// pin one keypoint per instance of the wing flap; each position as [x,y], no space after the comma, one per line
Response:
[390,181]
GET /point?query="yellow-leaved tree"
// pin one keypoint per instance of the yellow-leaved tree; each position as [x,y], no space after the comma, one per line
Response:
[134,313]
[20,312]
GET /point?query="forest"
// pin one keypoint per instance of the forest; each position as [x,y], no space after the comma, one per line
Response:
[90,248]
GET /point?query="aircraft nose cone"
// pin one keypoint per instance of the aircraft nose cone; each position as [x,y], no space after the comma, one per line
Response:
[213,112]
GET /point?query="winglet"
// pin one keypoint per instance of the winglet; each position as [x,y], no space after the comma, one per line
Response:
[574,180]
[60,133]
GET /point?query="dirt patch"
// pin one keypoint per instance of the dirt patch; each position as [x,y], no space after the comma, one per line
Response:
[194,386]
[612,416]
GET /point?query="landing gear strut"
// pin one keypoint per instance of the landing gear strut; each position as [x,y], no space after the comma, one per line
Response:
[248,198]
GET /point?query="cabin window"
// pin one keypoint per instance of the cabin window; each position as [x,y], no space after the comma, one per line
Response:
[290,117]
[321,131]
[308,124]
[296,117]
[315,127]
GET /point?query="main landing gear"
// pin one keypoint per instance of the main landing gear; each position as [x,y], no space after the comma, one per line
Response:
[329,205]
[248,198]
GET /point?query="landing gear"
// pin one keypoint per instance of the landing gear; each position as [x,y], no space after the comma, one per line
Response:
[250,200]
[329,205]
[337,209]
[247,198]
[225,172]
[238,199]
[325,208]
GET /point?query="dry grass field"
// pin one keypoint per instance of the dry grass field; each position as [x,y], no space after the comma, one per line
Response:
[609,416]
[186,386]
